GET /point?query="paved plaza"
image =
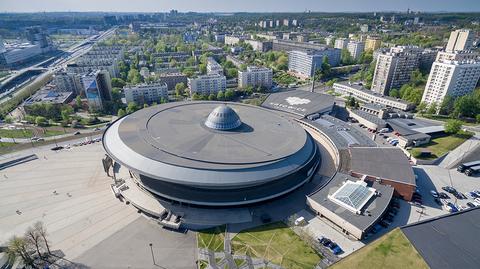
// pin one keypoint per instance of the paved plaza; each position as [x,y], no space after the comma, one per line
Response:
[69,191]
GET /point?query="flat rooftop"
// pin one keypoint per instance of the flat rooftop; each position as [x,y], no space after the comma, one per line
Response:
[384,162]
[448,241]
[302,103]
[375,206]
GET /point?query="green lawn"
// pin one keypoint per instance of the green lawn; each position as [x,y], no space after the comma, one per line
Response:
[277,243]
[441,145]
[49,132]
[392,250]
[212,238]
[17,133]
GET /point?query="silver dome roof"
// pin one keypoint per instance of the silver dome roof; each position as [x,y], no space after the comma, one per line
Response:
[223,118]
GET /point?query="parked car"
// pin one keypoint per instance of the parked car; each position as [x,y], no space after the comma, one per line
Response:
[473,195]
[459,195]
[451,207]
[434,194]
[438,201]
[471,205]
[76,133]
[449,189]
[443,195]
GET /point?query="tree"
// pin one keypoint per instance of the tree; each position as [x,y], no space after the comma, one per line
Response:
[229,94]
[212,97]
[41,121]
[394,93]
[121,112]
[478,118]
[346,57]
[145,105]
[466,106]
[452,126]
[432,109]
[42,232]
[196,96]
[118,83]
[32,237]
[202,68]
[421,108]
[282,63]
[18,247]
[131,107]
[134,76]
[220,96]
[179,89]
[66,112]
[78,102]
[446,107]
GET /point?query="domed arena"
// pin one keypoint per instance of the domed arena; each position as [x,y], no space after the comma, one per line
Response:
[212,153]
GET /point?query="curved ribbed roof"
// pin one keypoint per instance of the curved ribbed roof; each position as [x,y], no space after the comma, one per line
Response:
[223,118]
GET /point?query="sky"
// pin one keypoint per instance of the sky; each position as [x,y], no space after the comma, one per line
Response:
[238,5]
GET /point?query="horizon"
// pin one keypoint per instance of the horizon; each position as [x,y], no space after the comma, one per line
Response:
[246,6]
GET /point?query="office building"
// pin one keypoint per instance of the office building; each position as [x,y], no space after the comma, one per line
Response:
[356,48]
[451,78]
[304,63]
[341,43]
[394,68]
[295,22]
[286,22]
[288,45]
[213,67]
[98,89]
[460,40]
[207,84]
[329,39]
[146,93]
[372,43]
[255,76]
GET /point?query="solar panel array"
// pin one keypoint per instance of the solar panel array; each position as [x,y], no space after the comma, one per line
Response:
[353,195]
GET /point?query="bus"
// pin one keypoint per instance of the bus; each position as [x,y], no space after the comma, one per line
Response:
[472,170]
[462,167]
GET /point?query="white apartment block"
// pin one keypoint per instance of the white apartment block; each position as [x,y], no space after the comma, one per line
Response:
[146,93]
[341,43]
[213,67]
[356,48]
[452,78]
[304,63]
[460,40]
[255,76]
[233,40]
[394,68]
[366,95]
[207,84]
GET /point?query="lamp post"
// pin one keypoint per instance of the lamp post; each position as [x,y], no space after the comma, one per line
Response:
[151,250]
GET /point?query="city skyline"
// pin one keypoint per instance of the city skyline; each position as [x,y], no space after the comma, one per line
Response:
[234,6]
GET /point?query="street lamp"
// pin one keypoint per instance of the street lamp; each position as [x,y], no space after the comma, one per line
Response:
[151,250]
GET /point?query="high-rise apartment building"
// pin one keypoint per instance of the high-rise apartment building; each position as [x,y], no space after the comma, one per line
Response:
[372,43]
[255,76]
[356,48]
[451,78]
[341,43]
[304,63]
[394,68]
[460,40]
[67,82]
[213,67]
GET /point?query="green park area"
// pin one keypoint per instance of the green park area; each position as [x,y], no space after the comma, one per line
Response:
[441,145]
[392,250]
[16,133]
[276,243]
[211,238]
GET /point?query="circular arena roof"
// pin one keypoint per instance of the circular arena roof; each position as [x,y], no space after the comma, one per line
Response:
[209,145]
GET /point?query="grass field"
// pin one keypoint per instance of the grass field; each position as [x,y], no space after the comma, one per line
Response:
[17,133]
[441,145]
[211,238]
[277,243]
[392,250]
[49,132]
